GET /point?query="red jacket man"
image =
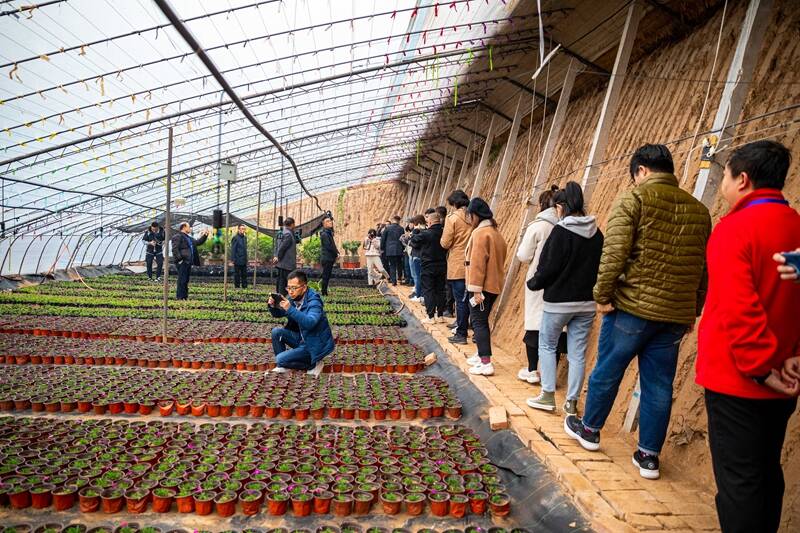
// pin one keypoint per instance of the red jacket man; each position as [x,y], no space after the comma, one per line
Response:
[749,330]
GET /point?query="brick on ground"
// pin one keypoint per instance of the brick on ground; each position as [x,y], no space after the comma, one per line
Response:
[643,521]
[430,359]
[497,418]
[634,502]
[672,522]
[702,522]
[688,507]
[561,465]
[576,482]
[609,524]
[593,504]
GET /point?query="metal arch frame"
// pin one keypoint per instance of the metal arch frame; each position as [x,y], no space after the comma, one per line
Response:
[130,241]
[133,249]
[8,252]
[86,252]
[94,255]
[27,248]
[105,251]
[116,250]
[41,254]
[75,252]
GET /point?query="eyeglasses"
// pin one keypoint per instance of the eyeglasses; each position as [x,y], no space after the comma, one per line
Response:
[294,287]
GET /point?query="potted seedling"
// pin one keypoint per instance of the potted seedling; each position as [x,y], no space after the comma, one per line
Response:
[64,497]
[322,501]
[458,505]
[88,500]
[439,503]
[277,503]
[41,496]
[301,504]
[204,502]
[136,500]
[162,499]
[251,501]
[500,504]
[391,502]
[415,503]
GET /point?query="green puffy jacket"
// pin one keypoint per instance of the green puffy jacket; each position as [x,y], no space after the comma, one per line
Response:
[653,263]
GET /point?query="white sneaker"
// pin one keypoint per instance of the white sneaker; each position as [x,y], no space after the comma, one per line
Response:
[279,370]
[429,320]
[482,369]
[530,377]
[414,299]
[317,370]
[475,360]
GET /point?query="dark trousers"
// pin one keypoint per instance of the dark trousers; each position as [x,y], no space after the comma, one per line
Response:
[746,437]
[148,259]
[327,269]
[395,267]
[531,340]
[182,289]
[240,276]
[434,279]
[480,323]
[449,299]
[459,289]
[280,286]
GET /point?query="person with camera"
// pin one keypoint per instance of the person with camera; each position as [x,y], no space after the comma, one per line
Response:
[154,237]
[185,254]
[285,259]
[307,337]
[239,257]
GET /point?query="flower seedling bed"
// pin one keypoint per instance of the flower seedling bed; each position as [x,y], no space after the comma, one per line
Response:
[24,349]
[180,331]
[140,526]
[273,469]
[292,395]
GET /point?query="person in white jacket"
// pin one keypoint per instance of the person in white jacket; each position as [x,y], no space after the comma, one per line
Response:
[529,251]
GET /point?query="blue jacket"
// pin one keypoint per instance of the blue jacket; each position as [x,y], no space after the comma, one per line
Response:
[313,324]
[239,250]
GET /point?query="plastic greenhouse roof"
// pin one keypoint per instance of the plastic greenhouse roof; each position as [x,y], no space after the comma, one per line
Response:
[89,89]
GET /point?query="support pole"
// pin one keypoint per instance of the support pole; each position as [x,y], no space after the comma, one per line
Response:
[507,156]
[258,227]
[420,186]
[542,172]
[409,194]
[737,86]
[464,164]
[435,183]
[611,102]
[226,237]
[487,147]
[449,181]
[166,247]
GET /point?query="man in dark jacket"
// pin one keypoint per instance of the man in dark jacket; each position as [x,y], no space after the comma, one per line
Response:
[433,260]
[329,252]
[391,245]
[185,254]
[239,257]
[307,334]
[285,259]
[154,237]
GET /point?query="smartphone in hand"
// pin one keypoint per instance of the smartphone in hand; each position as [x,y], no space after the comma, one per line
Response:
[792,259]
[276,298]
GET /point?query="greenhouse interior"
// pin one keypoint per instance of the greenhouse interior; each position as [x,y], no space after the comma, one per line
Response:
[373,266]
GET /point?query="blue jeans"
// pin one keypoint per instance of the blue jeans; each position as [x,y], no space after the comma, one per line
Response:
[578,326]
[297,357]
[407,269]
[459,288]
[622,337]
[416,268]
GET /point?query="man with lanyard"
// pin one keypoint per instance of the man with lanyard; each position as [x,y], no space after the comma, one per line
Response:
[185,254]
[154,237]
[307,337]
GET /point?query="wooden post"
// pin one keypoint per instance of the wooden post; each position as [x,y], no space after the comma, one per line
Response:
[465,164]
[476,185]
[258,227]
[409,192]
[611,102]
[449,181]
[438,178]
[429,187]
[737,87]
[542,172]
[507,156]
[167,227]
[418,193]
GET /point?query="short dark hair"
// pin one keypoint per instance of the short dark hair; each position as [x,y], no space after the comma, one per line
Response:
[327,217]
[372,233]
[571,199]
[546,198]
[183,225]
[241,226]
[442,210]
[396,219]
[458,199]
[418,219]
[154,224]
[429,210]
[766,163]
[288,221]
[298,275]
[656,157]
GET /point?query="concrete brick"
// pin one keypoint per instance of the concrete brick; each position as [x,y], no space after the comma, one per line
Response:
[575,482]
[542,448]
[592,504]
[513,410]
[629,502]
[601,466]
[609,524]
[702,522]
[560,465]
[430,359]
[688,507]
[608,475]
[672,522]
[643,521]
[587,456]
[497,418]
[616,484]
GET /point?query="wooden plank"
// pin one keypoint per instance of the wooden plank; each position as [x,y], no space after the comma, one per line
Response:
[487,147]
[740,74]
[449,181]
[542,172]
[409,194]
[465,163]
[497,195]
[611,102]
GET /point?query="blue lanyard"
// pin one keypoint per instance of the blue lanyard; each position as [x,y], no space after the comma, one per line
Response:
[765,201]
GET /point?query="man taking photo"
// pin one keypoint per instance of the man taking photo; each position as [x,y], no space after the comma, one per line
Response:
[285,259]
[154,237]
[307,337]
[185,254]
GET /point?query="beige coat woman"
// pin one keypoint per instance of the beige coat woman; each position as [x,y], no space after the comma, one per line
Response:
[529,251]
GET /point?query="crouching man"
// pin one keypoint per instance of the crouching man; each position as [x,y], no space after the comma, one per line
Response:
[307,338]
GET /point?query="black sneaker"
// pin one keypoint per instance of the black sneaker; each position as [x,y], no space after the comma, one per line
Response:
[457,339]
[453,325]
[590,440]
[647,465]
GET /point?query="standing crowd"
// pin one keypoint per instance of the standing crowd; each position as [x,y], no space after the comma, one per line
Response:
[658,267]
